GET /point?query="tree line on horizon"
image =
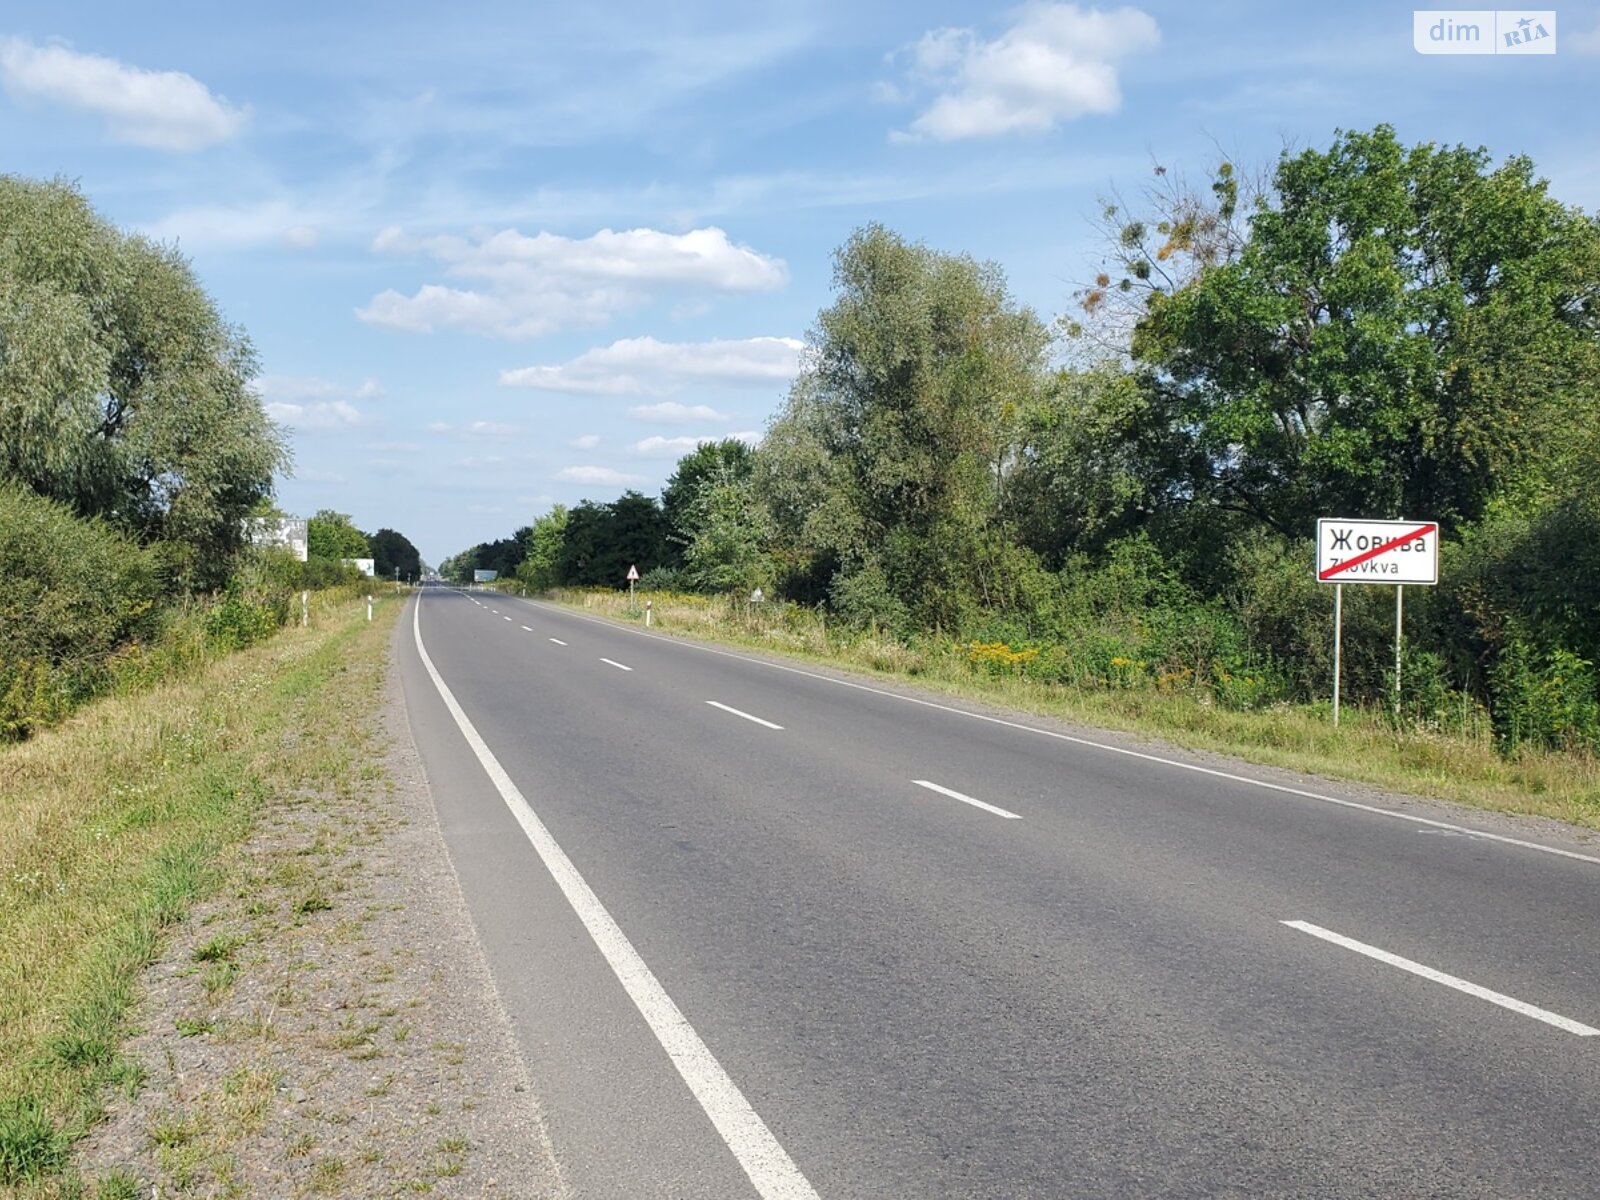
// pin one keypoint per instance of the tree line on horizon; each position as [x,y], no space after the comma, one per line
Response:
[1128,497]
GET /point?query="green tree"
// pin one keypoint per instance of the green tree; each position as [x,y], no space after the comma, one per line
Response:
[333,535]
[891,458]
[123,393]
[542,547]
[692,473]
[1408,331]
[394,557]
[727,532]
[603,540]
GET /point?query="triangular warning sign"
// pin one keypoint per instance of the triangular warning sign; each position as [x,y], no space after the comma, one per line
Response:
[633,573]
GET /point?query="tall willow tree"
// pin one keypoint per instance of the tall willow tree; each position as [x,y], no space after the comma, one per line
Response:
[886,470]
[123,393]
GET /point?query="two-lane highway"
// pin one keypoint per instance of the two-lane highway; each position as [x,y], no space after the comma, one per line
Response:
[885,946]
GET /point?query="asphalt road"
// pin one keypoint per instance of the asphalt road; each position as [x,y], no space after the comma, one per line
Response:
[849,980]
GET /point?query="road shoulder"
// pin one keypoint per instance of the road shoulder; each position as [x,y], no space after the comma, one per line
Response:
[326,1023]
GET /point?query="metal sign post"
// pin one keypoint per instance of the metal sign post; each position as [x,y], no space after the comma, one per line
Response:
[1338,642]
[1399,608]
[1397,552]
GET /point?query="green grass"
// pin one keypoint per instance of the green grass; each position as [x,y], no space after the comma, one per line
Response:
[114,823]
[1366,748]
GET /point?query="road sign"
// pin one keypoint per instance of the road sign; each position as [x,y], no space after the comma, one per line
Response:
[633,574]
[1377,551]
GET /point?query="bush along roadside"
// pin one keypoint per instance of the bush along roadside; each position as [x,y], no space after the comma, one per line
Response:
[86,612]
[114,824]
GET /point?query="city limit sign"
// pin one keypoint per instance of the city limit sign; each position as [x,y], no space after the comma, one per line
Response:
[1377,551]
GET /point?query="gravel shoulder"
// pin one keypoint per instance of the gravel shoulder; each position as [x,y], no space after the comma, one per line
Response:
[326,1024]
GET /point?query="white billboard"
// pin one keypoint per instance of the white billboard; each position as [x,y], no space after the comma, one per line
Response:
[288,532]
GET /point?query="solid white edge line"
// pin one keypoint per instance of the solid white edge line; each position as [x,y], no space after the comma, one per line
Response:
[558,641]
[728,708]
[614,663]
[771,1170]
[505,618]
[1451,981]
[1079,741]
[944,791]
[525,629]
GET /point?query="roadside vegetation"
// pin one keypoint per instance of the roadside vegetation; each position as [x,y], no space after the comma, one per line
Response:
[146,708]
[1456,759]
[133,454]
[1120,507]
[115,823]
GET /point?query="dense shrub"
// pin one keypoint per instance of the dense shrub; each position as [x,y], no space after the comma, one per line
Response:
[75,591]
[1549,699]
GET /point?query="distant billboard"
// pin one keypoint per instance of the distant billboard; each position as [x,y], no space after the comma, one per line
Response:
[288,532]
[485,576]
[366,566]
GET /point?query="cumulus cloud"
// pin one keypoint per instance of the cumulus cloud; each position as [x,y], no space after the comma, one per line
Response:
[527,286]
[670,412]
[677,447]
[301,237]
[587,442]
[647,367]
[601,475]
[324,414]
[310,402]
[161,110]
[1057,63]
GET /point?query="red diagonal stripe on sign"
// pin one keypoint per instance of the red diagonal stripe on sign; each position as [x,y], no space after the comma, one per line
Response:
[1382,548]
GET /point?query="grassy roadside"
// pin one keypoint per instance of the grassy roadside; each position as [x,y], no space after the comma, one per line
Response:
[114,824]
[1460,765]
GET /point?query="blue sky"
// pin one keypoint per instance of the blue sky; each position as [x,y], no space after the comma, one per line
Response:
[499,256]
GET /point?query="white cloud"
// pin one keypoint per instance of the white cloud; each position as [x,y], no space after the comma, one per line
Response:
[530,286]
[1057,63]
[665,447]
[477,430]
[677,447]
[313,387]
[301,237]
[604,475]
[310,402]
[647,367]
[323,414]
[587,442]
[161,110]
[670,412]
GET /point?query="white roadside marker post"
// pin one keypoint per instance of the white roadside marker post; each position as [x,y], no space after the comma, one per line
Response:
[305,609]
[647,607]
[369,606]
